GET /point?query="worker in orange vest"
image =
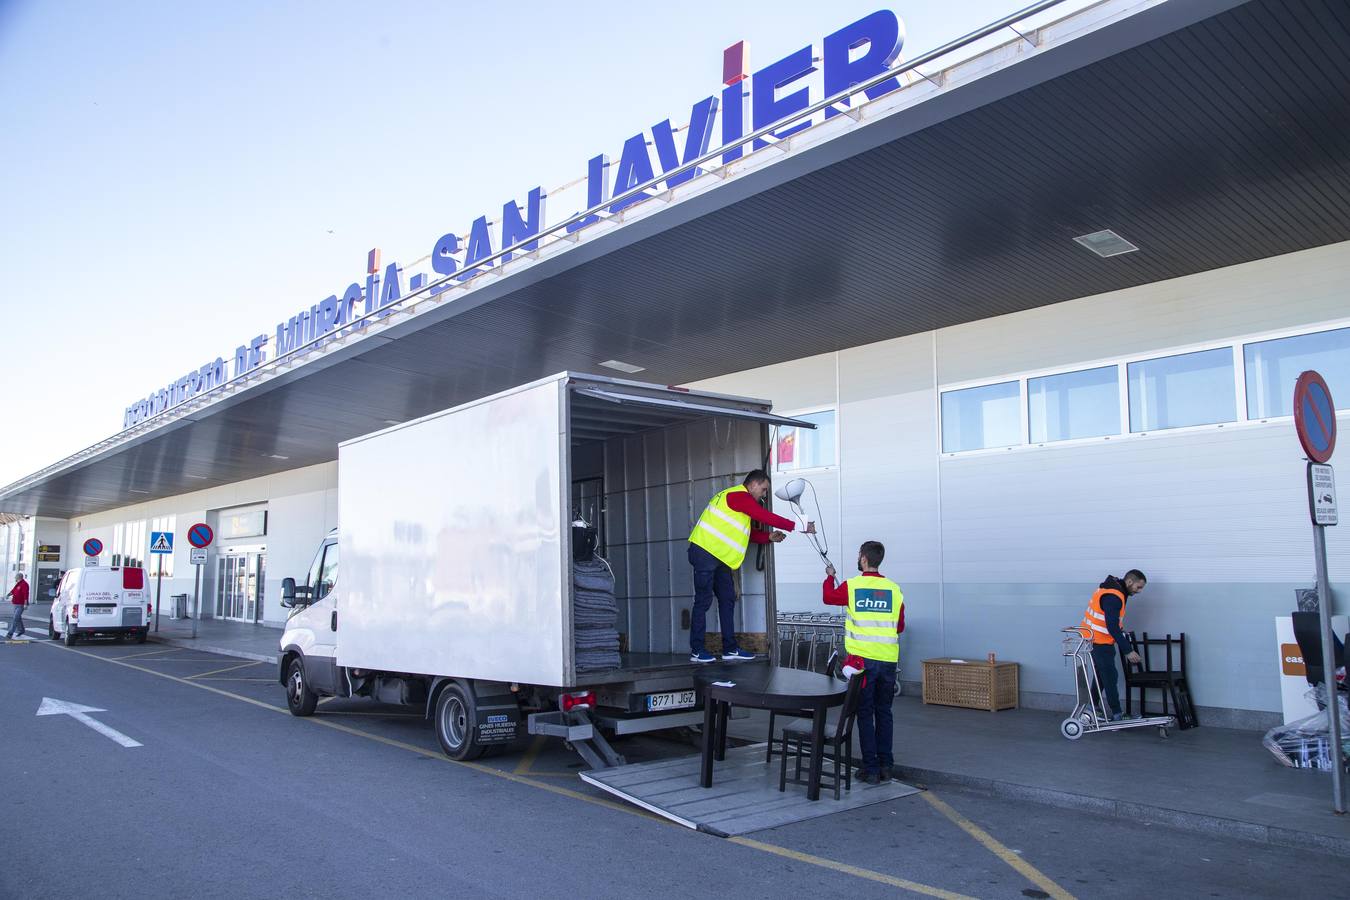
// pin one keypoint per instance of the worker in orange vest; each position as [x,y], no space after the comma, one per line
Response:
[1102,625]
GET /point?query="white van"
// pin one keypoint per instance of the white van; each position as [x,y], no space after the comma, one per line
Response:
[101,601]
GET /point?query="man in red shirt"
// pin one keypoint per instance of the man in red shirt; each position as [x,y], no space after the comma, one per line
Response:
[717,545]
[18,595]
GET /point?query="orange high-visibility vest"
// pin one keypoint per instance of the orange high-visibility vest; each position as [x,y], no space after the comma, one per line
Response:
[1094,620]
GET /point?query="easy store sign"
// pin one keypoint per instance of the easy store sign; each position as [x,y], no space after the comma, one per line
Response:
[746,103]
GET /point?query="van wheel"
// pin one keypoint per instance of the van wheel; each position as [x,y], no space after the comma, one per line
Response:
[51,629]
[299,697]
[455,723]
[70,635]
[142,635]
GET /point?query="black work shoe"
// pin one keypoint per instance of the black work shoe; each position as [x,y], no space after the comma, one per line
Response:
[885,774]
[866,777]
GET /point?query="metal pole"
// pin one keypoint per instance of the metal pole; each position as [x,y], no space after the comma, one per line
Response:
[159,584]
[1329,666]
[196,598]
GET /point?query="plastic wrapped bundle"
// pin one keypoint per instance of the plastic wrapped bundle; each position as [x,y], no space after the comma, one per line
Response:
[1306,743]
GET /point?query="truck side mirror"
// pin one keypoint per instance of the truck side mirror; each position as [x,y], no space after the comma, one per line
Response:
[288,592]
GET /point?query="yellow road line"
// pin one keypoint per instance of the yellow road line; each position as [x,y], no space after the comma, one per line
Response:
[150,652]
[847,869]
[226,669]
[1036,876]
[528,757]
[326,722]
[384,715]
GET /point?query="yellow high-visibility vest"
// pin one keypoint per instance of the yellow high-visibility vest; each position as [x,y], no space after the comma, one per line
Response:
[874,606]
[1094,620]
[722,531]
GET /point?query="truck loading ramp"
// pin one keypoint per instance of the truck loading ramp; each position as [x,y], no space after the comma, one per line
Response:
[744,797]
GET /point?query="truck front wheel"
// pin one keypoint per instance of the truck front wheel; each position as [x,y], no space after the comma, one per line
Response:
[456,720]
[299,698]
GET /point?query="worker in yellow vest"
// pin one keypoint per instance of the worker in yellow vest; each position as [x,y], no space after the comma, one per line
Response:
[717,545]
[872,627]
[1102,625]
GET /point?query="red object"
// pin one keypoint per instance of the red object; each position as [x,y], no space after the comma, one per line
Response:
[735,60]
[133,578]
[373,261]
[787,447]
[18,594]
[837,595]
[75,611]
[581,699]
[1326,424]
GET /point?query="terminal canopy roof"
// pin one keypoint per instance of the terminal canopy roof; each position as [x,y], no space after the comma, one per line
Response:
[1207,132]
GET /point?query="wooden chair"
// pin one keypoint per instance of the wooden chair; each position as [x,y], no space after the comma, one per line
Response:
[796,740]
[1170,680]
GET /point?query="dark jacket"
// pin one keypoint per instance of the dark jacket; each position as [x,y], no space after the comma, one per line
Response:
[1111,608]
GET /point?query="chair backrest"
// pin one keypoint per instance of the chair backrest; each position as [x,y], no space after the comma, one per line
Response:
[832,664]
[844,726]
[1308,634]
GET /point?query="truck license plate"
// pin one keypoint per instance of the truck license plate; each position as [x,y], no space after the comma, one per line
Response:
[672,700]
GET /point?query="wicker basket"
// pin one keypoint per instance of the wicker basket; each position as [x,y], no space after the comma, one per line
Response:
[970,684]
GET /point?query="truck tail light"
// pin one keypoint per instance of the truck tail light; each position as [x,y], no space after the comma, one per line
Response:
[75,611]
[579,700]
[147,610]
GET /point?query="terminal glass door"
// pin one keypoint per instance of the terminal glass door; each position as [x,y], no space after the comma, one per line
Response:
[239,586]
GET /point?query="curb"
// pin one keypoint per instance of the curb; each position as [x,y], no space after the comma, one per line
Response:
[196,644]
[1200,823]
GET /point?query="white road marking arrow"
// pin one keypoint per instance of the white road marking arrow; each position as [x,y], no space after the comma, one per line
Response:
[80,713]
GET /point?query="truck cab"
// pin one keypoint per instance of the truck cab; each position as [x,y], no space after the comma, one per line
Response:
[309,641]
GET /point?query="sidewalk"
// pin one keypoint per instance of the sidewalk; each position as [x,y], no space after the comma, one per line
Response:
[1210,780]
[237,639]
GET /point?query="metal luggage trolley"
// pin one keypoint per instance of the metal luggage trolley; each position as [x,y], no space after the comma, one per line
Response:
[817,633]
[1089,713]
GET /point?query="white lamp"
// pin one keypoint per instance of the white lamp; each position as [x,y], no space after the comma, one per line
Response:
[792,491]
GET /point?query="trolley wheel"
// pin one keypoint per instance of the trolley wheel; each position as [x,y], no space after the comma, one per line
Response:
[1085,718]
[1071,728]
[1162,732]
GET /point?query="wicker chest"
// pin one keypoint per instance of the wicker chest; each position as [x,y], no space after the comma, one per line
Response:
[973,684]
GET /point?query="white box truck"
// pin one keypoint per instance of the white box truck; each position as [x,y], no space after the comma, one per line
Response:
[455,588]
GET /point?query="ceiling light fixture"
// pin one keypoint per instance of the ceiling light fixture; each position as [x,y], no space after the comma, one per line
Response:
[135,491]
[619,365]
[1106,243]
[276,456]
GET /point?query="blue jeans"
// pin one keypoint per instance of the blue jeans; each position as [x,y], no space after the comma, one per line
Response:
[16,622]
[1104,661]
[876,725]
[712,578]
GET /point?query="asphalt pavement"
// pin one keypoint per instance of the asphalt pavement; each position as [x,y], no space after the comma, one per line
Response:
[227,795]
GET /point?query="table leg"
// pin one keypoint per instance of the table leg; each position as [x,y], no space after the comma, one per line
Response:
[817,753]
[709,735]
[723,709]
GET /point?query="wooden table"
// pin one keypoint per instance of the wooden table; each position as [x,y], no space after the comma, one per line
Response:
[765,687]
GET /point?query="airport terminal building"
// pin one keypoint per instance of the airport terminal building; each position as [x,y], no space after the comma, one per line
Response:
[1044,296]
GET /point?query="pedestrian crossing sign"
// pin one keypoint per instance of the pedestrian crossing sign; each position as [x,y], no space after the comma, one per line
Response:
[161,542]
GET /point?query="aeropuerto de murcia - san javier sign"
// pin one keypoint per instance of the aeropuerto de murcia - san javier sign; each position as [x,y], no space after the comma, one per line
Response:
[849,56]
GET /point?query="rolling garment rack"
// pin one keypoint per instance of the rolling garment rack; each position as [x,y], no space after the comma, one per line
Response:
[1089,713]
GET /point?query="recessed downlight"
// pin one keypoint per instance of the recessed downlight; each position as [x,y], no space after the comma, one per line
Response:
[134,491]
[276,456]
[621,366]
[1106,243]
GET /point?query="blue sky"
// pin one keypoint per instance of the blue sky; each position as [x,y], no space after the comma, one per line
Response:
[178,177]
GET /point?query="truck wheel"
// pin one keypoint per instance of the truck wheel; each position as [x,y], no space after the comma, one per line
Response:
[142,635]
[299,697]
[455,722]
[70,635]
[51,629]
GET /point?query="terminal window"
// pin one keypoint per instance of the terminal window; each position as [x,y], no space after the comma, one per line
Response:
[979,418]
[806,448]
[1273,367]
[1179,391]
[1073,405]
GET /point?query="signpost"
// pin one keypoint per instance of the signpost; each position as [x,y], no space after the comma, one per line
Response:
[161,543]
[92,548]
[200,537]
[1315,422]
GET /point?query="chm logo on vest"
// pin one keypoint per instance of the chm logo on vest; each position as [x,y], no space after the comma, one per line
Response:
[873,600]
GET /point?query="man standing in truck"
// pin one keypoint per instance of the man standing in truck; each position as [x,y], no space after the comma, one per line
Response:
[718,545]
